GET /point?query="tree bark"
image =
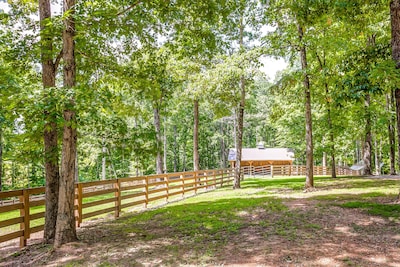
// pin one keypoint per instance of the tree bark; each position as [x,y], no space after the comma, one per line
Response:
[184,155]
[223,163]
[76,166]
[322,64]
[368,137]
[66,228]
[176,150]
[157,126]
[391,133]
[307,95]
[395,27]
[1,157]
[196,159]
[239,135]
[103,161]
[331,135]
[377,169]
[239,119]
[50,132]
[165,146]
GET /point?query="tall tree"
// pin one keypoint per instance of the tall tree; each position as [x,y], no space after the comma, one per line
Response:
[307,95]
[240,114]
[391,132]
[50,133]
[294,20]
[1,154]
[367,149]
[196,159]
[395,41]
[66,228]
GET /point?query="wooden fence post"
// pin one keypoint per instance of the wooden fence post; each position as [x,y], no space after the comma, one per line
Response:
[146,190]
[117,194]
[206,175]
[214,179]
[183,185]
[195,181]
[272,171]
[166,179]
[24,212]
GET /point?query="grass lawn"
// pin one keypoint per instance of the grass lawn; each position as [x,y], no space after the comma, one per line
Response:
[348,221]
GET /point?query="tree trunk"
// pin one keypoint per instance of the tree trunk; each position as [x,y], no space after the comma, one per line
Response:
[196,159]
[223,163]
[368,137]
[184,155]
[377,170]
[391,133]
[307,94]
[176,150]
[157,126]
[322,64]
[332,142]
[1,157]
[76,166]
[103,161]
[66,228]
[239,119]
[165,145]
[395,26]
[239,135]
[50,133]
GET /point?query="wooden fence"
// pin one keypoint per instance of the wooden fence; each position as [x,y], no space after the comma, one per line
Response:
[23,213]
[294,170]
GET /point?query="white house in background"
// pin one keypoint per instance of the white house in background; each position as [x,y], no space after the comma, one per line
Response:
[262,156]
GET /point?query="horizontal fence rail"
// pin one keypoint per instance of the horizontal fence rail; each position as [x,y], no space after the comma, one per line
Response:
[22,211]
[294,170]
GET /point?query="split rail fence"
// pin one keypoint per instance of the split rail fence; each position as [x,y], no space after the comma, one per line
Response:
[295,170]
[23,214]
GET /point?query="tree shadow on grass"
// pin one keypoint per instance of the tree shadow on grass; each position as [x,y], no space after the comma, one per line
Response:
[222,231]
[179,234]
[321,183]
[236,231]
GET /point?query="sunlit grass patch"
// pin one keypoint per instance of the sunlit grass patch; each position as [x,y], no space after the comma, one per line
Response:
[349,196]
[384,210]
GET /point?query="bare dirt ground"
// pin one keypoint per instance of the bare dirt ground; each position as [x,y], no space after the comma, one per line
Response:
[316,235]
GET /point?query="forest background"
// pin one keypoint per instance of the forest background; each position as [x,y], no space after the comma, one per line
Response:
[143,68]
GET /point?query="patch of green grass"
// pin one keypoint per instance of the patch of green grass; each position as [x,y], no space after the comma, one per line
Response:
[211,217]
[348,261]
[293,183]
[312,226]
[347,197]
[106,264]
[384,210]
[75,263]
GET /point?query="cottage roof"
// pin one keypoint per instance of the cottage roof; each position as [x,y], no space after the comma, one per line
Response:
[263,154]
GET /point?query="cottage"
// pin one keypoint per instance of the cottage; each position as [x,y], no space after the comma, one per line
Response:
[262,156]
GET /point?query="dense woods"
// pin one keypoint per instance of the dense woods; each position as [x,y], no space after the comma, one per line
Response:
[99,89]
